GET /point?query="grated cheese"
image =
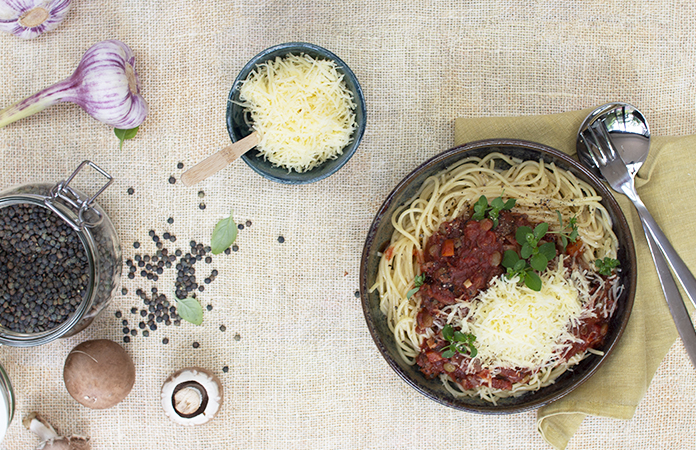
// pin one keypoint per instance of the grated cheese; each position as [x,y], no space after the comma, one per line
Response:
[302,110]
[516,327]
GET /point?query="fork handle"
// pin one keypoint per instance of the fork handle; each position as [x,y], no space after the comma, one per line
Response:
[680,269]
[676,305]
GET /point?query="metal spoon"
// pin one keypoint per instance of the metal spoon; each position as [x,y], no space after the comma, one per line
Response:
[620,129]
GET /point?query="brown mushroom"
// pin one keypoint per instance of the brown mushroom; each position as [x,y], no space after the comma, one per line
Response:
[50,439]
[99,374]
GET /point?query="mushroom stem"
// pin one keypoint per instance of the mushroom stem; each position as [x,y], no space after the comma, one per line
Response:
[50,439]
[35,423]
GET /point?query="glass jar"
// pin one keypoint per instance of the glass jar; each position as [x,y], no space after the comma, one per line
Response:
[98,239]
[7,403]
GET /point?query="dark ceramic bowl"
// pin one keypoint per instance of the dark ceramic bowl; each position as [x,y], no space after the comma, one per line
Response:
[379,236]
[238,127]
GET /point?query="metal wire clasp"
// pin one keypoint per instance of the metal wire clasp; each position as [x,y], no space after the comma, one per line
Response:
[87,215]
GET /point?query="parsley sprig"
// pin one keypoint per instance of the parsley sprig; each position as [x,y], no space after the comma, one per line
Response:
[458,343]
[533,257]
[417,282]
[606,265]
[482,208]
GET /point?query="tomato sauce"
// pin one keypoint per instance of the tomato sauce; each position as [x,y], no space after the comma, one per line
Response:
[459,261]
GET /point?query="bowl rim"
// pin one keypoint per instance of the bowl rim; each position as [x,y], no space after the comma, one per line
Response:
[349,150]
[461,151]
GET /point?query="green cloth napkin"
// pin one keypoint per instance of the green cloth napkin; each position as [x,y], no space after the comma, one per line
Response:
[666,184]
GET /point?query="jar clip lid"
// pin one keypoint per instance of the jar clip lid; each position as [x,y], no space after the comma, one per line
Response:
[87,216]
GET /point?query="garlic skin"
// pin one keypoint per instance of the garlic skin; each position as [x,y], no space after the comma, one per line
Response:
[30,18]
[105,84]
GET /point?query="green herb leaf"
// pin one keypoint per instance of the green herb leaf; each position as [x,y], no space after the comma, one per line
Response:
[540,230]
[123,135]
[521,234]
[532,280]
[224,235]
[458,342]
[538,262]
[190,310]
[448,353]
[480,208]
[417,282]
[527,250]
[510,258]
[606,265]
[549,250]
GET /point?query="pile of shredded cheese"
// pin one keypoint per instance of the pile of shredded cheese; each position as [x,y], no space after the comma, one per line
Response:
[516,327]
[302,110]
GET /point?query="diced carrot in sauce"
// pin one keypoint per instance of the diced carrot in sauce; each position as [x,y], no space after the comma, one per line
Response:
[574,248]
[447,248]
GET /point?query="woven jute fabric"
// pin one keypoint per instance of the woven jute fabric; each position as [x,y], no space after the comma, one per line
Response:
[303,370]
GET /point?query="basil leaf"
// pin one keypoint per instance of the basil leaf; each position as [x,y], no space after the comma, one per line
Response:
[224,234]
[410,293]
[459,337]
[123,135]
[190,310]
[448,353]
[472,351]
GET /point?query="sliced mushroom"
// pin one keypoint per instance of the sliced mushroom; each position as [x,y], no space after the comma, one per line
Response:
[192,396]
[50,438]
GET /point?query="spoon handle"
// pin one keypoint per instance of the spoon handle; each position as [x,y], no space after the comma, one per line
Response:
[681,271]
[217,161]
[676,305]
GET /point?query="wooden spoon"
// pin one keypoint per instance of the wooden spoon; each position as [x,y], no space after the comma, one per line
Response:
[218,161]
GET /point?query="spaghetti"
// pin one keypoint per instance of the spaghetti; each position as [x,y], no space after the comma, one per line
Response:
[525,339]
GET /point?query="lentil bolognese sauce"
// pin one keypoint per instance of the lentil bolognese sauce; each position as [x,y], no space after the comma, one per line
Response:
[468,296]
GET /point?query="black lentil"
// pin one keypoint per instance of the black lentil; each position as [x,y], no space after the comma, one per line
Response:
[235,248]
[165,341]
[226,369]
[201,206]
[136,244]
[237,337]
[118,314]
[172,180]
[43,268]
[170,220]
[126,339]
[281,239]
[180,165]
[130,191]
[223,328]
[201,194]
[196,345]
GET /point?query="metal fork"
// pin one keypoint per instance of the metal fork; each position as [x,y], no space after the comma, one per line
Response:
[602,152]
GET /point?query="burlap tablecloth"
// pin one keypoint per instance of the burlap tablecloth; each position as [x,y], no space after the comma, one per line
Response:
[304,372]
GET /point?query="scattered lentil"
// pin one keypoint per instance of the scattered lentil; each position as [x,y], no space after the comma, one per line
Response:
[165,341]
[281,239]
[226,369]
[130,191]
[223,328]
[201,206]
[180,165]
[196,345]
[237,337]
[172,180]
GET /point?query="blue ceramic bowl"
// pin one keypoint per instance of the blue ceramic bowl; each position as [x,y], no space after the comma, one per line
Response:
[238,128]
